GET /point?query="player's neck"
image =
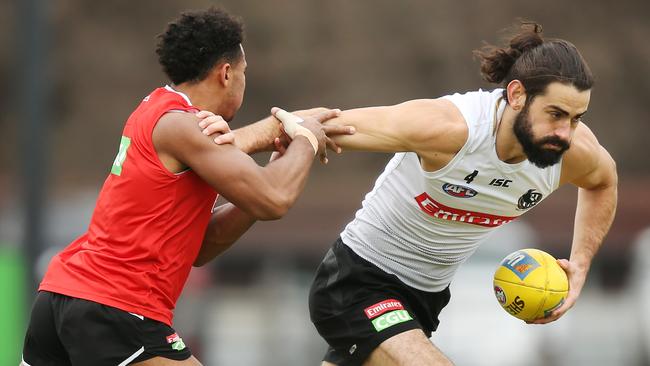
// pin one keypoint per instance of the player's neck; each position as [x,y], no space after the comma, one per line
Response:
[202,96]
[508,148]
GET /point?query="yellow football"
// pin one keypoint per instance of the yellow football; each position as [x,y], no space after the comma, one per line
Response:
[529,284]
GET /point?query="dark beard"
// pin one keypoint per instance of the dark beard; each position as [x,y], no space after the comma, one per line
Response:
[534,150]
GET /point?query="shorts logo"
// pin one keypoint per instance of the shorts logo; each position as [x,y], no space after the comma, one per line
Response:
[437,210]
[501,296]
[379,308]
[176,342]
[389,319]
[520,263]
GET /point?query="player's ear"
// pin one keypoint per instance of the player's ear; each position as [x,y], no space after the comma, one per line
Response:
[222,73]
[516,94]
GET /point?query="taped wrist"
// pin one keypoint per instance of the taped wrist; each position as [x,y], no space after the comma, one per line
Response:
[309,135]
[291,125]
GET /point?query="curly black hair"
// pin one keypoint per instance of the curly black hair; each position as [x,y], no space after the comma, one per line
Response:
[192,44]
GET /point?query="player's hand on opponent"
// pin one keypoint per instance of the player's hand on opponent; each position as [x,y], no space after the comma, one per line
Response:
[216,127]
[577,277]
[310,127]
[330,129]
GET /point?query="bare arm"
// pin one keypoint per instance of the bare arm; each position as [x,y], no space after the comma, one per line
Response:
[433,128]
[229,222]
[258,136]
[428,127]
[227,225]
[590,167]
[262,192]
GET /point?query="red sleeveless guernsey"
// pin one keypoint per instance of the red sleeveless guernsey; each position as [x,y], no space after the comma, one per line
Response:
[147,227]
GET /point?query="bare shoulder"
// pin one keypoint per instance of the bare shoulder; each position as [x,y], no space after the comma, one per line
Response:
[178,140]
[169,130]
[176,122]
[175,129]
[441,126]
[180,129]
[587,164]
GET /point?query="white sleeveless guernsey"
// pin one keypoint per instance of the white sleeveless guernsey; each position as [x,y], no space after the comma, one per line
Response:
[420,226]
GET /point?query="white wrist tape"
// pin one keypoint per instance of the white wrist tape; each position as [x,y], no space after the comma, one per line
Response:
[291,125]
[301,131]
[289,121]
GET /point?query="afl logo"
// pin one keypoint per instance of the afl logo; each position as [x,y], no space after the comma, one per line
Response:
[500,294]
[529,199]
[458,191]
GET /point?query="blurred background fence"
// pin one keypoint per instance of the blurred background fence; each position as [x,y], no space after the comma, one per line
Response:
[72,71]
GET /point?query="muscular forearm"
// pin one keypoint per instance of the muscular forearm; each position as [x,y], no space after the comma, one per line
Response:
[258,136]
[228,223]
[268,192]
[288,175]
[594,216]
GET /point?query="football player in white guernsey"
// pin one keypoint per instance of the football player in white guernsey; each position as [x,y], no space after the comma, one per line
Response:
[464,165]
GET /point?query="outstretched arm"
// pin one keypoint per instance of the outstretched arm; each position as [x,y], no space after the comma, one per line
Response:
[259,136]
[428,127]
[590,167]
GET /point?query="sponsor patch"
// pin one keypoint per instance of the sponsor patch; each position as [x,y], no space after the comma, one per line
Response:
[501,296]
[176,342]
[520,263]
[436,209]
[379,308]
[458,191]
[389,319]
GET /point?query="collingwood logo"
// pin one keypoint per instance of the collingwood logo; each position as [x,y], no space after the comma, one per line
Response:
[529,199]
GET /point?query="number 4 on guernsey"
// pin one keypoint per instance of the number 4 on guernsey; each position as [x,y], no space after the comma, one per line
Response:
[470,177]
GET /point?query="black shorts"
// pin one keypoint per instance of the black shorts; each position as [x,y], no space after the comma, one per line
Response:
[65,330]
[355,306]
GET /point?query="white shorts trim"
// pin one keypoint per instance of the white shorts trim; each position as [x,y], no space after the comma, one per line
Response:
[137,316]
[132,357]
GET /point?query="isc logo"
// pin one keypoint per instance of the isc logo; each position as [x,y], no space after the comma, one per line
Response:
[501,182]
[458,191]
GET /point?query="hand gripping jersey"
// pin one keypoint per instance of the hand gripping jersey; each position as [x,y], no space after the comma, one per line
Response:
[420,226]
[147,227]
